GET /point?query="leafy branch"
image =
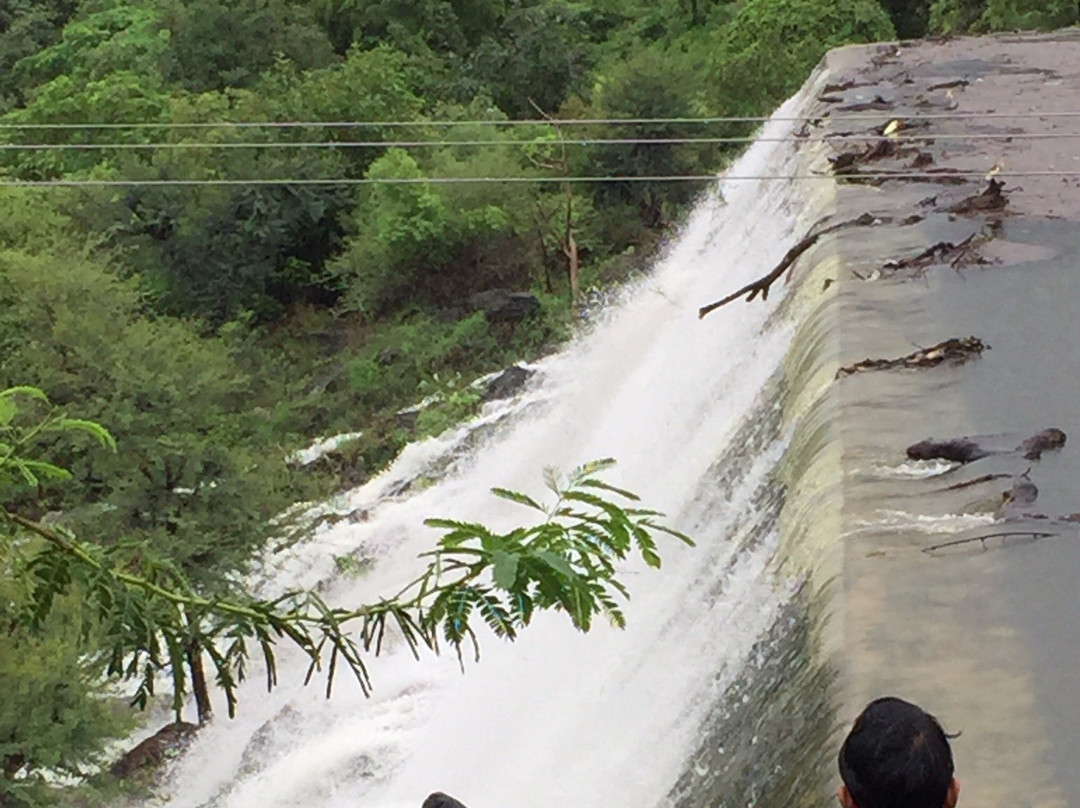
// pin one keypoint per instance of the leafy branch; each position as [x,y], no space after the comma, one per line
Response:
[155,622]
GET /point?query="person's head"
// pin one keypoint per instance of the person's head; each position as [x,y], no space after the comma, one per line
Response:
[897,756]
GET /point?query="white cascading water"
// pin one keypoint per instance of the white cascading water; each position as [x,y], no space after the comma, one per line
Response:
[556,718]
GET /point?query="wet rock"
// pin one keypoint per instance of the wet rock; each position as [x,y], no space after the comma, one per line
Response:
[406,419]
[500,305]
[450,315]
[166,743]
[348,468]
[507,384]
[388,356]
[353,517]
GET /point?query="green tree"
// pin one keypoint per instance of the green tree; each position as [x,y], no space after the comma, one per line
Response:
[409,25]
[657,82]
[770,46]
[56,714]
[199,481]
[214,44]
[112,37]
[958,16]
[537,57]
[152,619]
[911,18]
[427,243]
[26,27]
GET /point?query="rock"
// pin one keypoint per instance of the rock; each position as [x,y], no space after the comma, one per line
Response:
[440,800]
[450,315]
[388,356]
[348,468]
[166,743]
[500,305]
[507,384]
[406,419]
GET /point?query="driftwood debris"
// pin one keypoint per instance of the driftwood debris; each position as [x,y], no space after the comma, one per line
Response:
[911,173]
[1032,535]
[991,198]
[761,285]
[879,149]
[986,478]
[837,87]
[1045,440]
[954,351]
[967,449]
[958,255]
[949,85]
[896,125]
[876,104]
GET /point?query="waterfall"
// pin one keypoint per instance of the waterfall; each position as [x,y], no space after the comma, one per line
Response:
[689,410]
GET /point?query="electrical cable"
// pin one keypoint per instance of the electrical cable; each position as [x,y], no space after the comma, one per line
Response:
[875,116]
[411,144]
[347,181]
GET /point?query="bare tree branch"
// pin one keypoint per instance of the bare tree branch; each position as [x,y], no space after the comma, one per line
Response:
[761,285]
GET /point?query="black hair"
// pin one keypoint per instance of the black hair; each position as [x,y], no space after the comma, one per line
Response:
[896,756]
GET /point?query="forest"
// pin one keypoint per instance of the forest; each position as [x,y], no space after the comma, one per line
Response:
[158,278]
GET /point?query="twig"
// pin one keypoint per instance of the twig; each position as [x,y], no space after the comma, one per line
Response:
[1034,534]
[761,285]
[977,481]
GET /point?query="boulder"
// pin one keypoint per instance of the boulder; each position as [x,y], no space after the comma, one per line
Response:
[507,384]
[500,305]
[388,356]
[406,419]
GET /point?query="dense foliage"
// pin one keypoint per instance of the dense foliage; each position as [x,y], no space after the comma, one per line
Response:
[78,612]
[214,328]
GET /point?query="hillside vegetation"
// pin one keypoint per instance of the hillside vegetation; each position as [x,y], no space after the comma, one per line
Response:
[213,329]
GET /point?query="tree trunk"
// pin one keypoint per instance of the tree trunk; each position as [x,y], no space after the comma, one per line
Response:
[573,266]
[570,249]
[199,687]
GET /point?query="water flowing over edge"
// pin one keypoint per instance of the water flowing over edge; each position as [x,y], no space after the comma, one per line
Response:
[695,413]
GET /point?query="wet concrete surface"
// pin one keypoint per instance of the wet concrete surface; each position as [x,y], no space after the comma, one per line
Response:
[987,639]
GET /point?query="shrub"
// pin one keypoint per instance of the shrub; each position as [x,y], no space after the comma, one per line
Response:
[767,50]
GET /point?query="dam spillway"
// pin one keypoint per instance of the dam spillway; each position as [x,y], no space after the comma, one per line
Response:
[809,591]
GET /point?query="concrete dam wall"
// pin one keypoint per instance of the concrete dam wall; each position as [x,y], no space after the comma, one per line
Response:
[983,632]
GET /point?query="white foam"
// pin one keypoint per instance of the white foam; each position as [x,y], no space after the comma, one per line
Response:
[557,718]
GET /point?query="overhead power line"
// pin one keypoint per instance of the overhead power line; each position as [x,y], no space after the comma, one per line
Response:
[825,116]
[417,144]
[346,181]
